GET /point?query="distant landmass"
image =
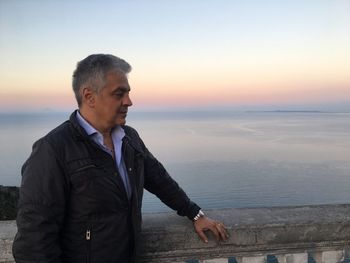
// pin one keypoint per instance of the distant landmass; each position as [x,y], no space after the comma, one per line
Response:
[8,202]
[289,111]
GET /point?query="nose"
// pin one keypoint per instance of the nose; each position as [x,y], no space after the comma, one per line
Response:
[127,101]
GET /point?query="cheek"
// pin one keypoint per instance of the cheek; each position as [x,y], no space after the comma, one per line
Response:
[114,105]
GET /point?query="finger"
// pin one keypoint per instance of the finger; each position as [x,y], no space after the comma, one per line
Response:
[202,236]
[219,228]
[222,231]
[215,232]
[225,230]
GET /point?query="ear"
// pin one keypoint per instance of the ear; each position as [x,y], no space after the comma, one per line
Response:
[88,97]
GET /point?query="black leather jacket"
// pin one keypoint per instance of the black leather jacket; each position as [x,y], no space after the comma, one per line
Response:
[73,206]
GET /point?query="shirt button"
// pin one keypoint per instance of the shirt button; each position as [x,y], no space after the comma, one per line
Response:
[130,169]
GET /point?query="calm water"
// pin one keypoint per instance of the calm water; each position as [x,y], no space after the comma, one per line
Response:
[222,159]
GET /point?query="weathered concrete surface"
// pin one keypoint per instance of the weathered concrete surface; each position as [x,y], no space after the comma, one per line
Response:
[254,232]
[7,232]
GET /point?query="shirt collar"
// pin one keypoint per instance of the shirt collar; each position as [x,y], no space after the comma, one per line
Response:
[86,126]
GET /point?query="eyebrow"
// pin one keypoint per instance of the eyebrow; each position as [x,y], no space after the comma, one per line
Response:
[122,88]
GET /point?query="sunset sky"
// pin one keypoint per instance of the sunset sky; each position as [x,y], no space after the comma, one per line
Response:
[184,54]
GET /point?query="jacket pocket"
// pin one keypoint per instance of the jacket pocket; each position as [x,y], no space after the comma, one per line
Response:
[82,176]
[86,167]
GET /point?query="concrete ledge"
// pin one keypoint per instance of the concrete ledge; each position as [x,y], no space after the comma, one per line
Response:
[167,237]
[7,232]
[253,231]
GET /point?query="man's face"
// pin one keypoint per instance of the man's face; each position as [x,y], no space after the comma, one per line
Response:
[112,102]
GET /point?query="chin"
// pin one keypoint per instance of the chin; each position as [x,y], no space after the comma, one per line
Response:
[121,122]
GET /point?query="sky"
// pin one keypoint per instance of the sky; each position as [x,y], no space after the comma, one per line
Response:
[185,54]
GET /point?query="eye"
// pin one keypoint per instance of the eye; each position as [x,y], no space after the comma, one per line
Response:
[119,94]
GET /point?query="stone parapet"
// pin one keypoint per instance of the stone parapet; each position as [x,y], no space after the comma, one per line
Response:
[289,234]
[284,232]
[7,232]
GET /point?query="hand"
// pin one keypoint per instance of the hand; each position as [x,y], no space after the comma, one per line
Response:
[205,223]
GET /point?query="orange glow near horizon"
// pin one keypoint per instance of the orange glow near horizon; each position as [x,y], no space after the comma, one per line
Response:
[235,97]
[183,92]
[37,101]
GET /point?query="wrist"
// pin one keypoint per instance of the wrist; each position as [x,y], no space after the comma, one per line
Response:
[198,216]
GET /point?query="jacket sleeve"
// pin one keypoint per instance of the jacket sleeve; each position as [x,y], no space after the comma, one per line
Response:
[41,207]
[160,183]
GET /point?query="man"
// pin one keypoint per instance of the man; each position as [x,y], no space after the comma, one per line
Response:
[82,186]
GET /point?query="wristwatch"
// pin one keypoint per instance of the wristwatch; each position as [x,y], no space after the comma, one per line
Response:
[199,215]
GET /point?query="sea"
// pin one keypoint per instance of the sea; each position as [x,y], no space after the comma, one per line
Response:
[222,159]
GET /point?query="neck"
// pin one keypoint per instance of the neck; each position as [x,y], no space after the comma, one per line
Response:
[94,121]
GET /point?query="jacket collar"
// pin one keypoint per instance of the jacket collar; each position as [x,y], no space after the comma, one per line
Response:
[78,131]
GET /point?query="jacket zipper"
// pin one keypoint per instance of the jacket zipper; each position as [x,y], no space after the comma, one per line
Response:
[88,240]
[88,234]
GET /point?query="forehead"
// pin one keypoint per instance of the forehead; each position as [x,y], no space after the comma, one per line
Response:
[117,79]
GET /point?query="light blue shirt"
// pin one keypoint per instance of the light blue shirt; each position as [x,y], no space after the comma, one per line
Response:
[117,135]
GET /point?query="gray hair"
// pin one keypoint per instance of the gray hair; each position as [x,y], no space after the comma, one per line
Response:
[92,71]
